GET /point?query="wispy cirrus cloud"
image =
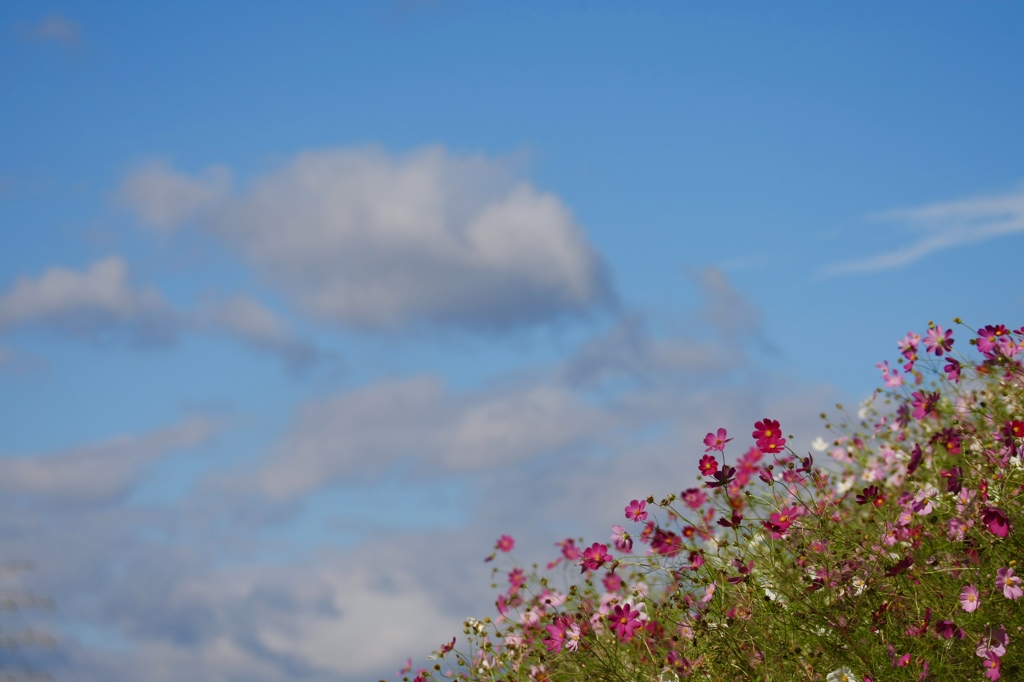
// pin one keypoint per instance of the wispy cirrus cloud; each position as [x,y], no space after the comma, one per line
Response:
[942,226]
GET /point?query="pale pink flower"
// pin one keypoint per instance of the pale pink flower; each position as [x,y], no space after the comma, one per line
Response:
[1009,583]
[969,598]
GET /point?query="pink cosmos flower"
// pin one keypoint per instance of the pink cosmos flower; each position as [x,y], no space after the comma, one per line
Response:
[505,543]
[708,593]
[781,520]
[939,342]
[924,403]
[635,511]
[991,665]
[990,337]
[623,541]
[908,342]
[969,598]
[694,498]
[898,661]
[624,621]
[666,542]
[556,634]
[708,465]
[1009,583]
[594,557]
[996,520]
[611,582]
[716,441]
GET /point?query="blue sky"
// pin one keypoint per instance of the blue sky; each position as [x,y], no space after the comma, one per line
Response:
[301,308]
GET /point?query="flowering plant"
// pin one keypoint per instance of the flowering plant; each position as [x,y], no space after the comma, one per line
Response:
[893,556]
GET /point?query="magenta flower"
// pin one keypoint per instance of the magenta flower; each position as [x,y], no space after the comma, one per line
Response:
[781,520]
[594,557]
[939,342]
[666,542]
[505,543]
[898,661]
[952,370]
[624,620]
[635,511]
[990,337]
[556,634]
[771,446]
[996,520]
[969,598]
[708,465]
[1009,583]
[767,428]
[924,403]
[716,441]
[694,498]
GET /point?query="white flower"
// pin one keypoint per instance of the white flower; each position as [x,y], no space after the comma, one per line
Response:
[858,584]
[841,675]
[819,444]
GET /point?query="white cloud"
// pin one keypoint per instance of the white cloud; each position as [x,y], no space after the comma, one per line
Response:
[88,304]
[364,432]
[250,321]
[98,473]
[100,301]
[943,226]
[164,198]
[371,241]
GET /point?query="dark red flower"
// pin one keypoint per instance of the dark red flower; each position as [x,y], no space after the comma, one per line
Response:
[996,520]
[900,567]
[915,459]
[868,495]
[723,477]
[952,477]
[733,522]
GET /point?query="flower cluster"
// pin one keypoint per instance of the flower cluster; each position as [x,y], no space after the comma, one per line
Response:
[892,557]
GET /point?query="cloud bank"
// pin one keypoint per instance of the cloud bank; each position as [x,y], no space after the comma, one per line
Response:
[371,241]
